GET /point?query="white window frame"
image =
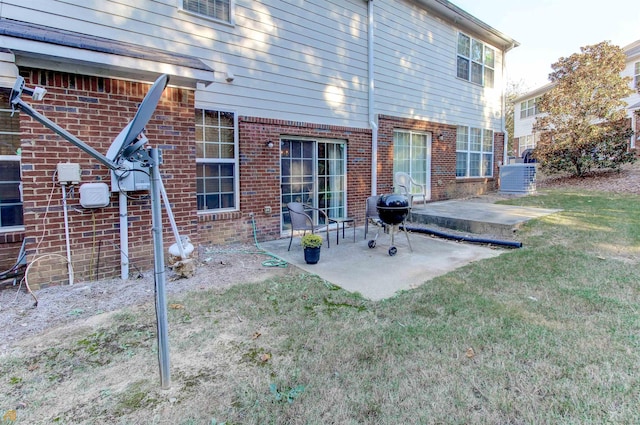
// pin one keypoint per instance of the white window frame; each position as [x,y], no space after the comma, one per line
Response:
[232,7]
[16,158]
[486,63]
[636,75]
[526,142]
[234,161]
[468,146]
[422,178]
[529,108]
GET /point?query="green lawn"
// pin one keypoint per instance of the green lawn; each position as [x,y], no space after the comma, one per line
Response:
[546,334]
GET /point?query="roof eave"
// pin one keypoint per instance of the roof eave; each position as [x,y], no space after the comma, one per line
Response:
[464,20]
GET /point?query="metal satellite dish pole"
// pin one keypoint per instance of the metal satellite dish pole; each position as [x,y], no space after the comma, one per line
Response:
[127,146]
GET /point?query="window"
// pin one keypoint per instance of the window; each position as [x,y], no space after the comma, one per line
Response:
[216,160]
[474,152]
[216,9]
[526,142]
[636,75]
[476,61]
[10,179]
[412,155]
[313,172]
[529,108]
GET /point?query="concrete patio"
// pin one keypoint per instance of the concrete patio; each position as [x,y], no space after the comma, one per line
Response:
[376,275]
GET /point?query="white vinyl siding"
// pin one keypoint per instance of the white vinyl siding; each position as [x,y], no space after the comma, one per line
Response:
[418,79]
[303,61]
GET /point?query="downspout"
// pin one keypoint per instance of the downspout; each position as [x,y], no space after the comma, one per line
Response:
[372,115]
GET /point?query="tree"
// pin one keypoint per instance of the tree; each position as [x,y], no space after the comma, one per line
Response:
[583,123]
[513,91]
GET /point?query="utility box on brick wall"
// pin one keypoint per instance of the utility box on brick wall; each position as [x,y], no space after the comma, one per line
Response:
[518,178]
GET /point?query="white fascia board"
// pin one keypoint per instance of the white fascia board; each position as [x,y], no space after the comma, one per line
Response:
[68,59]
[8,69]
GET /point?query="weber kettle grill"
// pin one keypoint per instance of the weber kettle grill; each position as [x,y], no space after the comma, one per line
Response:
[393,210]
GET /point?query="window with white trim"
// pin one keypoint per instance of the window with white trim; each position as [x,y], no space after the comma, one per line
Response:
[10,177]
[636,75]
[474,152]
[529,108]
[216,160]
[476,61]
[526,142]
[220,10]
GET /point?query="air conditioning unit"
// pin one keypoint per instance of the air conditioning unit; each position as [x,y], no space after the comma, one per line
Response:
[518,178]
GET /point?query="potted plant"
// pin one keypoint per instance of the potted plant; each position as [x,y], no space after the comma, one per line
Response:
[311,243]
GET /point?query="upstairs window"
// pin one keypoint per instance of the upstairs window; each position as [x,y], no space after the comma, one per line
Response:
[636,75]
[10,178]
[220,10]
[476,61]
[529,108]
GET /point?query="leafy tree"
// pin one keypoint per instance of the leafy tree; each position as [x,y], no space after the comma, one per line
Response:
[583,124]
[514,89]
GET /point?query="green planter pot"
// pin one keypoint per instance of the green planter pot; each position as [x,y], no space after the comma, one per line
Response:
[311,255]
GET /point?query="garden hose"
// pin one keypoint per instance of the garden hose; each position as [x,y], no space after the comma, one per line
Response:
[274,261]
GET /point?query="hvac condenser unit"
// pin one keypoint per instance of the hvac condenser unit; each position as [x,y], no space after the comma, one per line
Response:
[518,178]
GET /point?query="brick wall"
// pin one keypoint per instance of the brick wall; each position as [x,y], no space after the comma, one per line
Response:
[260,178]
[95,110]
[10,244]
[444,184]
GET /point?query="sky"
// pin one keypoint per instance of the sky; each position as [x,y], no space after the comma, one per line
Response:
[550,29]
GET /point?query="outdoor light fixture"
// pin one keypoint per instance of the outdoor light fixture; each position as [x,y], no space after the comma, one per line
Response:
[269,144]
[441,137]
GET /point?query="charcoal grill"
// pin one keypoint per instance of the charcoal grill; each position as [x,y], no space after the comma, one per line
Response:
[393,210]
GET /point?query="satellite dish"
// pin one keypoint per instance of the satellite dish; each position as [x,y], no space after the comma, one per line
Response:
[127,141]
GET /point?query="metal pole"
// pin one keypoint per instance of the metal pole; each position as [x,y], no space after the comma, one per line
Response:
[159,272]
[172,220]
[124,235]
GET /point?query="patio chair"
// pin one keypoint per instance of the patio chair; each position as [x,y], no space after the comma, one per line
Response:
[301,220]
[404,183]
[370,213]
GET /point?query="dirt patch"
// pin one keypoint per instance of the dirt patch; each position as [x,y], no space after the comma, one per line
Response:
[626,180]
[62,305]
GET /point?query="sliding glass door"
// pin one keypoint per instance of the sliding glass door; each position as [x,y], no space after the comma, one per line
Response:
[313,172]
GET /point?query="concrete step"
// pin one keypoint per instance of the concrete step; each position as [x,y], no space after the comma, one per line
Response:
[476,217]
